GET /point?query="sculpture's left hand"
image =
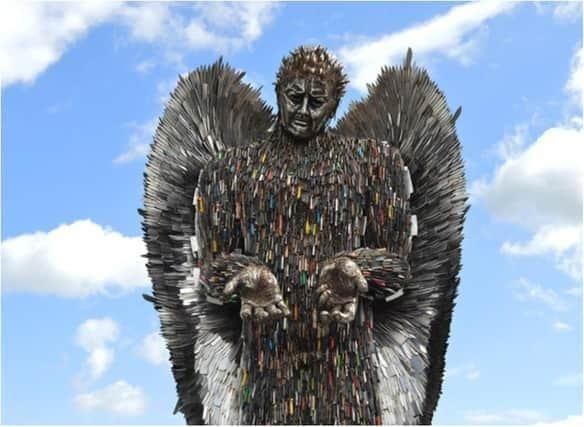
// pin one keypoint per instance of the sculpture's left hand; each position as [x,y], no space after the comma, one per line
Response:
[340,283]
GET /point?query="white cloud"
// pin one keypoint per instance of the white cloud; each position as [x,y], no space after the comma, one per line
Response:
[165,87]
[542,183]
[93,336]
[569,11]
[572,420]
[456,34]
[563,242]
[561,326]
[570,380]
[529,291]
[139,143]
[575,83]
[539,186]
[36,34]
[473,375]
[153,349]
[144,66]
[228,26]
[555,239]
[575,291]
[512,416]
[468,371]
[74,261]
[119,398]
[512,143]
[221,27]
[149,21]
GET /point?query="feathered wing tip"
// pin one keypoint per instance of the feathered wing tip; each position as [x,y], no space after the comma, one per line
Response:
[210,109]
[406,108]
[408,59]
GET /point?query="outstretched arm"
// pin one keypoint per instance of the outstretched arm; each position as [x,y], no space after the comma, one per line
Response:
[226,275]
[380,270]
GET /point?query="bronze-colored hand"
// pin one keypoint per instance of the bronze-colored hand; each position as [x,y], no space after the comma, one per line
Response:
[260,294]
[340,283]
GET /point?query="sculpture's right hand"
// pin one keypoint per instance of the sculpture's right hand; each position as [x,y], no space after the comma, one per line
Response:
[260,294]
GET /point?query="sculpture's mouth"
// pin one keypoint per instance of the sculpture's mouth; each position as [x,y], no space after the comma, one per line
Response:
[301,123]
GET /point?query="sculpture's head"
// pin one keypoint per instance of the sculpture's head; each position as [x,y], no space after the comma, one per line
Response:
[309,86]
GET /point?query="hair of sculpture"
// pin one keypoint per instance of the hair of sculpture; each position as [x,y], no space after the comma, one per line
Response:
[312,61]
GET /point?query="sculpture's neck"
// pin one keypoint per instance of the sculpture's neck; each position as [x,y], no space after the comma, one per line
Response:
[288,143]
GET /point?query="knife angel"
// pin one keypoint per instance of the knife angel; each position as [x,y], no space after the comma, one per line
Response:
[303,274]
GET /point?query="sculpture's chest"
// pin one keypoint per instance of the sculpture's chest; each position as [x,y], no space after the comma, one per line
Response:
[304,203]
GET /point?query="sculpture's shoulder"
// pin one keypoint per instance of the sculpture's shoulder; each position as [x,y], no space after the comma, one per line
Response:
[226,163]
[371,151]
[383,165]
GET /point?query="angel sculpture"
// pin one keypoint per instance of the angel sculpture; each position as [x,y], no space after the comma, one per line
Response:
[305,275]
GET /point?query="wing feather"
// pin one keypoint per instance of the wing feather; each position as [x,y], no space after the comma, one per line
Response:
[405,107]
[211,109]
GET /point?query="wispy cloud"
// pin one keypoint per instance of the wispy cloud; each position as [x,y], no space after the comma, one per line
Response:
[575,84]
[567,11]
[94,336]
[572,420]
[36,34]
[74,261]
[228,26]
[570,380]
[561,326]
[575,291]
[539,186]
[468,371]
[456,34]
[148,22]
[563,242]
[119,398]
[139,143]
[41,32]
[540,183]
[526,290]
[511,416]
[59,106]
[145,66]
[153,349]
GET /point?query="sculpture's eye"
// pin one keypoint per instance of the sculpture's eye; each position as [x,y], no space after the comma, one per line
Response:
[296,98]
[316,102]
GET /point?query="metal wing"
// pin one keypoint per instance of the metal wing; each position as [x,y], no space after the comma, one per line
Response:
[211,109]
[407,109]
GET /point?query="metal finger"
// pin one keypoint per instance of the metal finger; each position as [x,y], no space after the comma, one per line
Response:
[336,313]
[245,312]
[260,313]
[231,286]
[362,284]
[273,311]
[326,269]
[351,269]
[322,288]
[350,309]
[344,317]
[324,297]
[325,316]
[282,306]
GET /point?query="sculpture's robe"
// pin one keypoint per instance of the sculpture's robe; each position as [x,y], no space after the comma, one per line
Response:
[292,207]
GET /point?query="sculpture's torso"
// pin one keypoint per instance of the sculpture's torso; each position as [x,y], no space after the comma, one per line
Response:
[294,206]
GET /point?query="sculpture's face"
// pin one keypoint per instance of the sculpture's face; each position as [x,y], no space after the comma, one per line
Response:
[305,105]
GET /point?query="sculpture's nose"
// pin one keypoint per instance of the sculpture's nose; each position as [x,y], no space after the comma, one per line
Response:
[304,106]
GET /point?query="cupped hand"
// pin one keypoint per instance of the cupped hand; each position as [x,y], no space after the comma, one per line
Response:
[340,284]
[261,298]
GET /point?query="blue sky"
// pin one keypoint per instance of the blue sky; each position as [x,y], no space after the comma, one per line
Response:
[82,87]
